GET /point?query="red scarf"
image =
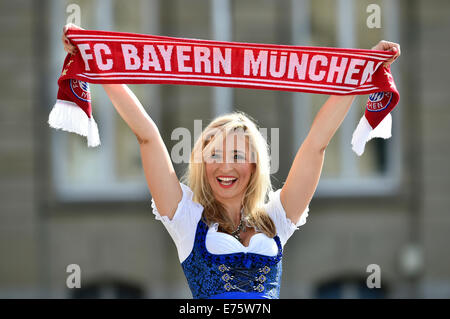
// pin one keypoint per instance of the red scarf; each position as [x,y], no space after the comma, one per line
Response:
[116,57]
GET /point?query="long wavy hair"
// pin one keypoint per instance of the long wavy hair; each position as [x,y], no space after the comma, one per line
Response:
[258,187]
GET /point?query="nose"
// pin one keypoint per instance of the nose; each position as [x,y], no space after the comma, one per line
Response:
[226,166]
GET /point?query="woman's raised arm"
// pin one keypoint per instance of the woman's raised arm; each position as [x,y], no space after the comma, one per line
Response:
[161,178]
[304,174]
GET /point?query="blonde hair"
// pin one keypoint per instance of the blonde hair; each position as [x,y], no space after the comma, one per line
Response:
[258,187]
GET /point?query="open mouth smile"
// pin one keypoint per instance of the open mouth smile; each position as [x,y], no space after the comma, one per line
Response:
[226,181]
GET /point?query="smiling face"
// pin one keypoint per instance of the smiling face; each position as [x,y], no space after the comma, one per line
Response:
[229,166]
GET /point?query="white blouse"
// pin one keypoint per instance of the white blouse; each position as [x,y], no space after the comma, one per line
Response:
[183,225]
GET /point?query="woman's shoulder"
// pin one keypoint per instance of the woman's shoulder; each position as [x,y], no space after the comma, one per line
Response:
[183,225]
[188,196]
[284,226]
[186,206]
[273,203]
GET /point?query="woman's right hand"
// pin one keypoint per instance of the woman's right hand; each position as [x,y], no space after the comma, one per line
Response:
[68,46]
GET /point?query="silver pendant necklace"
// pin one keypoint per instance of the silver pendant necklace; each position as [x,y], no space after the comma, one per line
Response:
[241,227]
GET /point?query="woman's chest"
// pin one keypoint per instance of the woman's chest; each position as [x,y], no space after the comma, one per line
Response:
[257,243]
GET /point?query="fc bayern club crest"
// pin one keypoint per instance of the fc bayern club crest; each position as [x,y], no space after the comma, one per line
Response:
[378,101]
[80,89]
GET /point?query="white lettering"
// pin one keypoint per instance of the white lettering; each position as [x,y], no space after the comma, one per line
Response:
[273,63]
[181,58]
[368,71]
[86,57]
[75,14]
[132,61]
[149,50]
[259,65]
[166,54]
[224,62]
[312,70]
[74,279]
[295,66]
[352,70]
[201,56]
[374,19]
[374,279]
[98,47]
[340,70]
[179,151]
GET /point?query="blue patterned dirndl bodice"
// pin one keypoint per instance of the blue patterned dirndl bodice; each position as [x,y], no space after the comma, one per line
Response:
[231,276]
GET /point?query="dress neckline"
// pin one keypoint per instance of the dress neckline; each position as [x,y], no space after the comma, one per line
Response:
[206,228]
[215,230]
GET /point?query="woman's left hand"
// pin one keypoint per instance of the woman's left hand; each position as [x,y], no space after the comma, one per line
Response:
[388,46]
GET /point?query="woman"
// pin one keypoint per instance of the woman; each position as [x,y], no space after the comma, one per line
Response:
[229,240]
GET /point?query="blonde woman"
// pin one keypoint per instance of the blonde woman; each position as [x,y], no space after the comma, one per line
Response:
[229,238]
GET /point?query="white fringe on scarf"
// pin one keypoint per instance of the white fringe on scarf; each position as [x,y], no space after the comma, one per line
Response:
[364,133]
[67,116]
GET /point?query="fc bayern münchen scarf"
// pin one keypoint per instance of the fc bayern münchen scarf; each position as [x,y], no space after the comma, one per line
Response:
[117,57]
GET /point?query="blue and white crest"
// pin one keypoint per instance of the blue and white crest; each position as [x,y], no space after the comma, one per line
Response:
[80,89]
[378,101]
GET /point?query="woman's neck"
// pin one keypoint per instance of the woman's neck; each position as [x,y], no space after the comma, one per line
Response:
[234,211]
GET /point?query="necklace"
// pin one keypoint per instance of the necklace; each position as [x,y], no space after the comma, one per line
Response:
[241,227]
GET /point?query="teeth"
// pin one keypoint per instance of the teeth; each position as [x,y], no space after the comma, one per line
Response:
[226,179]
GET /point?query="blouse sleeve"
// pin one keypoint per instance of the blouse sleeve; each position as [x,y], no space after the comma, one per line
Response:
[284,226]
[183,225]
